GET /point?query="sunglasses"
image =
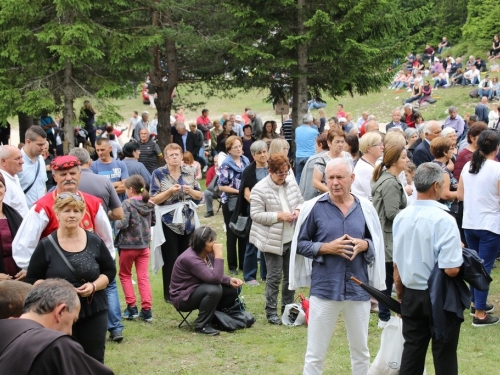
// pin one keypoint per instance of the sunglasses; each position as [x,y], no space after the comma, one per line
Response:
[66,195]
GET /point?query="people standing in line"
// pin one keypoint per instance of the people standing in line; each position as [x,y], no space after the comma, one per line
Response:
[87,116]
[255,172]
[98,186]
[80,257]
[33,176]
[150,153]
[231,170]
[175,192]
[10,222]
[389,199]
[305,142]
[481,213]
[132,123]
[11,164]
[275,203]
[209,194]
[132,154]
[422,226]
[133,241]
[347,246]
[422,153]
[186,140]
[113,169]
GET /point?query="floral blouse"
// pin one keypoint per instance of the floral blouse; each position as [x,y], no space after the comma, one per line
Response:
[161,181]
[230,174]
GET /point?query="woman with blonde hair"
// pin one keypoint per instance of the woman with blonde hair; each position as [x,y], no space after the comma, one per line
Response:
[372,147]
[191,165]
[389,198]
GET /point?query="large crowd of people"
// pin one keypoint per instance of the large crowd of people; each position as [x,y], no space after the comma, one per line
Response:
[330,199]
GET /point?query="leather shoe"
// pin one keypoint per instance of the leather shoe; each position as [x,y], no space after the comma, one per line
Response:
[209,214]
[208,330]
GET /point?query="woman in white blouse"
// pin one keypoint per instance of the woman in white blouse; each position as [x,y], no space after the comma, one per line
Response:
[493,116]
[372,147]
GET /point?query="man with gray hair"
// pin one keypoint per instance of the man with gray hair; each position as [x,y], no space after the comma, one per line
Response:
[420,132]
[40,341]
[425,236]
[184,138]
[454,121]
[255,122]
[143,123]
[350,243]
[11,163]
[97,185]
[422,153]
[305,144]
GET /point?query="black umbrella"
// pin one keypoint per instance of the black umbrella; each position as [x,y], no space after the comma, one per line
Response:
[388,301]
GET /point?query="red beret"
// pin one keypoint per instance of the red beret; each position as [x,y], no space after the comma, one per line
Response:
[64,162]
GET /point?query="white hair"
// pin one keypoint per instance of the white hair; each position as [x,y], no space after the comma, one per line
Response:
[447,131]
[408,105]
[340,162]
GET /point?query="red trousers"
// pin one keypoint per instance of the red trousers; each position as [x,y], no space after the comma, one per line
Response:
[141,259]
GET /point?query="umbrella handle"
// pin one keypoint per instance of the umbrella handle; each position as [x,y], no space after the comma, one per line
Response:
[356,280]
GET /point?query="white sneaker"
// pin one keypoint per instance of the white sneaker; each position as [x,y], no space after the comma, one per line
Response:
[382,324]
[409,90]
[205,169]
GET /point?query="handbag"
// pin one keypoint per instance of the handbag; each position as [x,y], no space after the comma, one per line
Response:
[232,318]
[293,315]
[242,226]
[232,199]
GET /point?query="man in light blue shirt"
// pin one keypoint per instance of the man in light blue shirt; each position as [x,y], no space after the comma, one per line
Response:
[305,144]
[33,176]
[425,235]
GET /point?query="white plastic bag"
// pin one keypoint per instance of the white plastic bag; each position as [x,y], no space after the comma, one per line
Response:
[293,315]
[388,359]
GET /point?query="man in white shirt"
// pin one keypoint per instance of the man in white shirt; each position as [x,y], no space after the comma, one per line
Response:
[471,76]
[11,163]
[33,176]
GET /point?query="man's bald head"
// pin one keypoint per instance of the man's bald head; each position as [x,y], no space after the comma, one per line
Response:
[484,100]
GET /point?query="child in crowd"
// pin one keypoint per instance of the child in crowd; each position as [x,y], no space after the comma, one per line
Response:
[409,174]
[133,243]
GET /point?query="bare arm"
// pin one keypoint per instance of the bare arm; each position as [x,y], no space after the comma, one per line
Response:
[119,186]
[452,272]
[115,214]
[446,193]
[398,283]
[460,190]
[316,181]
[227,189]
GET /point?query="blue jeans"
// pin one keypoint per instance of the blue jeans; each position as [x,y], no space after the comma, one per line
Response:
[486,244]
[473,82]
[114,310]
[485,92]
[299,166]
[250,263]
[201,157]
[315,104]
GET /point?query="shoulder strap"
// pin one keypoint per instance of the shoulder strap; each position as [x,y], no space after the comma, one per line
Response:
[60,253]
[36,176]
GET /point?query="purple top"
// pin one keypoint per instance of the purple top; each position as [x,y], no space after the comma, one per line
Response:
[9,265]
[190,271]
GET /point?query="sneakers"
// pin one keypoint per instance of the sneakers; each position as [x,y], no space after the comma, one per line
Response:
[130,313]
[382,324]
[252,283]
[209,214]
[205,169]
[116,336]
[274,319]
[488,320]
[146,315]
[488,310]
[208,330]
[233,272]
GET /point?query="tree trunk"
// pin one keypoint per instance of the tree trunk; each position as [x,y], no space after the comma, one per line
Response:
[301,97]
[68,111]
[25,122]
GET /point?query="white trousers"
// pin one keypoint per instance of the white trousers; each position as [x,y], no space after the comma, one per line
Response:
[323,315]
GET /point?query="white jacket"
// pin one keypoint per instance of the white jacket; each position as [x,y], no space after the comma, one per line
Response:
[267,232]
[301,267]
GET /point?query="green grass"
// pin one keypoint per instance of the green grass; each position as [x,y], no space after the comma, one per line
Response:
[162,348]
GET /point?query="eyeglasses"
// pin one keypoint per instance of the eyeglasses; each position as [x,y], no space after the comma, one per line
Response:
[66,195]
[283,174]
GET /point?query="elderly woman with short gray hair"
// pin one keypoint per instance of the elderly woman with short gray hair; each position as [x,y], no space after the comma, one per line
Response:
[275,202]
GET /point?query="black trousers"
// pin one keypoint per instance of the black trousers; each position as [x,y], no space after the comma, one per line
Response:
[174,245]
[384,312]
[91,334]
[233,258]
[207,298]
[417,332]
